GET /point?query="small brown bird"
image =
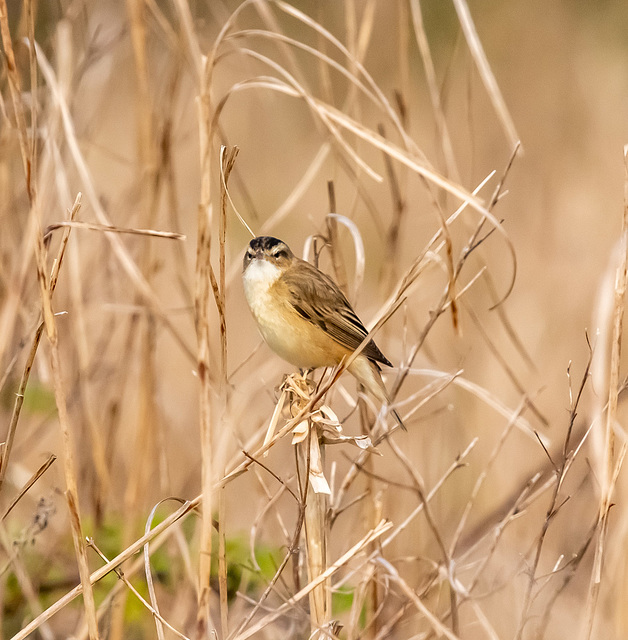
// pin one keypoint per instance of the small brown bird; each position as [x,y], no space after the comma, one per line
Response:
[305,318]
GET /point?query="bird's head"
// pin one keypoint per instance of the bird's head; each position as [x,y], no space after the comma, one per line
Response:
[268,249]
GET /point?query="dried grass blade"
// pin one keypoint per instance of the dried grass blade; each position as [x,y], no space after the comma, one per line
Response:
[92,226]
[17,407]
[33,479]
[16,94]
[372,535]
[355,62]
[227,161]
[119,250]
[358,245]
[222,564]
[11,551]
[149,574]
[434,90]
[69,464]
[99,574]
[612,462]
[138,595]
[435,623]
[293,88]
[477,51]
[19,399]
[205,281]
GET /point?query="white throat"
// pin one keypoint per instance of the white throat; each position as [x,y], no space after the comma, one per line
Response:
[258,277]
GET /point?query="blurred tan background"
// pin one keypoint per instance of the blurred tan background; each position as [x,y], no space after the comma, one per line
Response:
[561,67]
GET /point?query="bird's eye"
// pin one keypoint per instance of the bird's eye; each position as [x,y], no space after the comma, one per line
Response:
[279,251]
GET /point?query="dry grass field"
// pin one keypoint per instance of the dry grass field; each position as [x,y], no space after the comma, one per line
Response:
[458,168]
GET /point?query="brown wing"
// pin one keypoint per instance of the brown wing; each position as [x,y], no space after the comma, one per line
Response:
[317,298]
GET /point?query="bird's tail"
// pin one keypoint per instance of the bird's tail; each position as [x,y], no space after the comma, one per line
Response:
[369,376]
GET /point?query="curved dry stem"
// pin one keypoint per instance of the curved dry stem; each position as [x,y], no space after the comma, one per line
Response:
[481,61]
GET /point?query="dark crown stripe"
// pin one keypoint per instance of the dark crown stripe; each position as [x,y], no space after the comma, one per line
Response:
[266,243]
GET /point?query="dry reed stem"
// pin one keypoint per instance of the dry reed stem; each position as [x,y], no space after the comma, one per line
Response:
[340,271]
[105,606]
[315,506]
[205,281]
[145,116]
[490,83]
[322,519]
[99,574]
[171,235]
[359,252]
[16,96]
[149,575]
[271,504]
[227,162]
[153,610]
[434,90]
[354,63]
[68,437]
[17,407]
[32,63]
[31,481]
[612,462]
[482,477]
[15,287]
[447,559]
[358,39]
[119,250]
[453,467]
[434,622]
[501,359]
[146,418]
[19,399]
[367,85]
[189,38]
[399,209]
[372,535]
[441,306]
[163,526]
[222,564]
[149,168]
[357,45]
[12,552]
[292,549]
[371,513]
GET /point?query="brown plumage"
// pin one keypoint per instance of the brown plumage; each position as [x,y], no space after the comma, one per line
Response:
[304,317]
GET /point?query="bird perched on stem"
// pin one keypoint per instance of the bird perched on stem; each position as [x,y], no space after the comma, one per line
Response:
[305,318]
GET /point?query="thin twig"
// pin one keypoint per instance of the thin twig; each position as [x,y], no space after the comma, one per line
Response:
[32,480]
